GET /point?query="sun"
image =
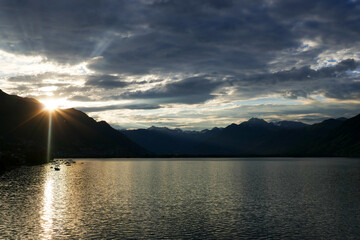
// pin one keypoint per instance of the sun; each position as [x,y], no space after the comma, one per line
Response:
[51,104]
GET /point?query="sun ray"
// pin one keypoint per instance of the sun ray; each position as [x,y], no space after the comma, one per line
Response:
[49,138]
[27,120]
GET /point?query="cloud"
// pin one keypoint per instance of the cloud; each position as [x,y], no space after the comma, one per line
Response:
[168,52]
[81,99]
[334,82]
[335,23]
[165,37]
[174,36]
[105,81]
[190,90]
[120,106]
[345,91]
[304,73]
[141,37]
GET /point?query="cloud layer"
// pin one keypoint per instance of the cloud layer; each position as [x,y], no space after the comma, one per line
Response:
[160,57]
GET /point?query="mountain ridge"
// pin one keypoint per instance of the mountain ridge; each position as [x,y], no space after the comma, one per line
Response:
[254,137]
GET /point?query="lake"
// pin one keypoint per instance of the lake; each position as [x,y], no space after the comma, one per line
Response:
[255,198]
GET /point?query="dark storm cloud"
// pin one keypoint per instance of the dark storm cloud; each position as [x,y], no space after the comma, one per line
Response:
[65,31]
[81,99]
[336,23]
[120,106]
[198,37]
[234,42]
[343,91]
[302,74]
[105,81]
[333,81]
[143,36]
[190,90]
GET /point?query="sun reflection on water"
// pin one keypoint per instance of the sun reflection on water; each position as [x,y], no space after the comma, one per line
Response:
[47,212]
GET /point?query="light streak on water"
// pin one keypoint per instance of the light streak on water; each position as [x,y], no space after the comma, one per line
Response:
[47,213]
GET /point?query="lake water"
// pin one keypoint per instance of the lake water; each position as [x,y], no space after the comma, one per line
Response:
[178,198]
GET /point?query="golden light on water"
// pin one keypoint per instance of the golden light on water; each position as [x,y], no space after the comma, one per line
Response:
[47,213]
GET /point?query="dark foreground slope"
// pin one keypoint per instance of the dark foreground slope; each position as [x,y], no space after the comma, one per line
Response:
[256,137]
[343,140]
[24,132]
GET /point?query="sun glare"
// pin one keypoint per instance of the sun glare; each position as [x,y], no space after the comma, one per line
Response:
[51,105]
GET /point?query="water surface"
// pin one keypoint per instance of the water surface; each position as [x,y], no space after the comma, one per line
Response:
[179,198]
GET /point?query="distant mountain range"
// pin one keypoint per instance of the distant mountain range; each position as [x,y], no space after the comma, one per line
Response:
[256,137]
[24,134]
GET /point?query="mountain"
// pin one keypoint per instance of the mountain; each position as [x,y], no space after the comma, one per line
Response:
[165,141]
[236,139]
[256,137]
[24,133]
[290,124]
[343,139]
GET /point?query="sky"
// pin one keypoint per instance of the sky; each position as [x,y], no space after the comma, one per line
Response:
[189,64]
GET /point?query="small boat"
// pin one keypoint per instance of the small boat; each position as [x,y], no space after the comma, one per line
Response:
[57,169]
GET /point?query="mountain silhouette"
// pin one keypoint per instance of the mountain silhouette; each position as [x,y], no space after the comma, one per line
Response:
[24,126]
[24,136]
[256,137]
[290,124]
[337,137]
